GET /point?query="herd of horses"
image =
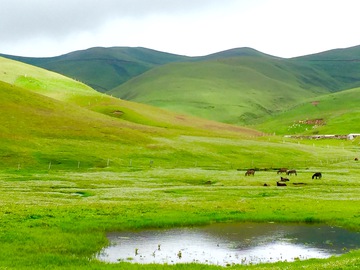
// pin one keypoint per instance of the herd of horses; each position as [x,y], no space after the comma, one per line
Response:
[283,180]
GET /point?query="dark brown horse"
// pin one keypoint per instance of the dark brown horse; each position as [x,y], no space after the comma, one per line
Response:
[282,179]
[279,184]
[316,175]
[290,172]
[250,172]
[281,170]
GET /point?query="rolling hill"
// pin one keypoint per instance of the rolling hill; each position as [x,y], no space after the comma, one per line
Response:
[102,68]
[343,65]
[236,90]
[48,118]
[240,86]
[243,86]
[335,113]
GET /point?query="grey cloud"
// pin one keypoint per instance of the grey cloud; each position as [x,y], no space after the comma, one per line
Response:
[23,19]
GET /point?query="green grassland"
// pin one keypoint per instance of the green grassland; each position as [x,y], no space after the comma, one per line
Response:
[58,219]
[76,164]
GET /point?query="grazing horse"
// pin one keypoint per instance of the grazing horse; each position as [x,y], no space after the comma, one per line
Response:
[290,172]
[282,179]
[279,184]
[316,175]
[250,172]
[281,170]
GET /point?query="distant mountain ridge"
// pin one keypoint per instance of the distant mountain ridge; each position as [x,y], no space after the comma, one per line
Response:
[242,86]
[106,68]
[343,65]
[238,86]
[102,68]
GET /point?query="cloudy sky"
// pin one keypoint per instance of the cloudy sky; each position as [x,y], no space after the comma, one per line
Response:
[284,28]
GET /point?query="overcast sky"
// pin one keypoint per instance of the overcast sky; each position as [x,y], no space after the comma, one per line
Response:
[284,28]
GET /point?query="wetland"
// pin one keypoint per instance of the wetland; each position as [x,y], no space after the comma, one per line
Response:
[228,244]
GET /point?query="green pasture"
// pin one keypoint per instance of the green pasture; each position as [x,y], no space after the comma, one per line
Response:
[57,219]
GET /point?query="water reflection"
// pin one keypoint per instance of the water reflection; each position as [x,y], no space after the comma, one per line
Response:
[226,244]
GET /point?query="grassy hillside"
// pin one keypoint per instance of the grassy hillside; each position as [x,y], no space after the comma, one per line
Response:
[337,113]
[61,88]
[67,125]
[103,68]
[237,90]
[49,118]
[239,86]
[341,64]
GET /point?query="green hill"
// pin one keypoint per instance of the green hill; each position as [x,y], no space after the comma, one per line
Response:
[343,65]
[335,113]
[240,86]
[103,68]
[237,90]
[236,52]
[243,86]
[61,88]
[48,118]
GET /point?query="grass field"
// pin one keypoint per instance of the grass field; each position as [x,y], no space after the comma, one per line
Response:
[55,219]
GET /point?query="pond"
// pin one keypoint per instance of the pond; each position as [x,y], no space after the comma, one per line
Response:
[228,244]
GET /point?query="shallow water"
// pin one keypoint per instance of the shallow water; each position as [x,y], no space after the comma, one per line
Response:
[226,244]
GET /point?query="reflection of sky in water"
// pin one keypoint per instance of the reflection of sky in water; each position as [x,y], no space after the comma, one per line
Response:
[223,244]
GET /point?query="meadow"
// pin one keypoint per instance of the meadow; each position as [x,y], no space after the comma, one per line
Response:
[57,217]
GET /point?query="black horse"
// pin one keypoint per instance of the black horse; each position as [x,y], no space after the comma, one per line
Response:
[316,175]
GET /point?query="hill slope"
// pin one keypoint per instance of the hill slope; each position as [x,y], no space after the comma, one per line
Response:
[335,113]
[243,86]
[237,90]
[343,65]
[238,86]
[64,122]
[103,68]
[61,88]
